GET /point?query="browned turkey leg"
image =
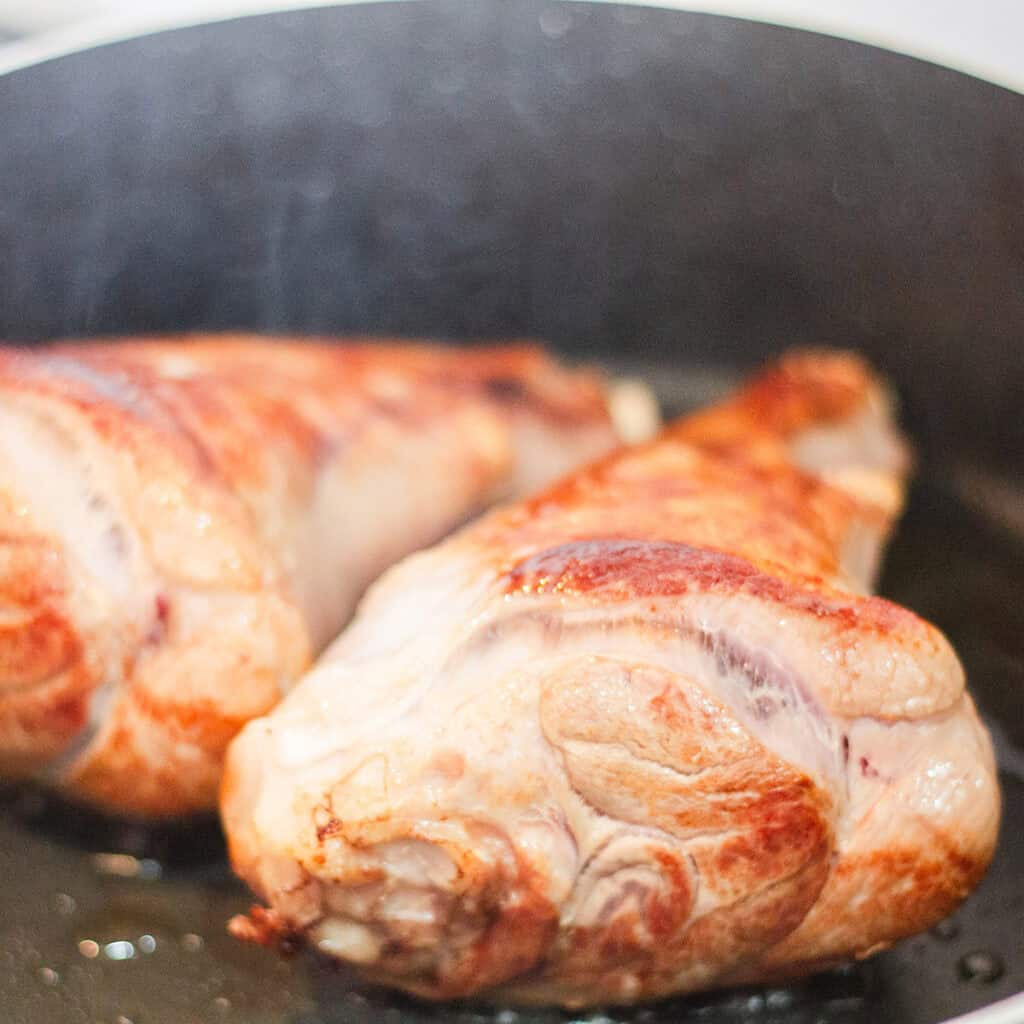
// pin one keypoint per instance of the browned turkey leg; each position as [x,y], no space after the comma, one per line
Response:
[183,522]
[642,734]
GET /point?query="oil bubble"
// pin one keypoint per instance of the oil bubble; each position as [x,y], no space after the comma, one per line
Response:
[980,966]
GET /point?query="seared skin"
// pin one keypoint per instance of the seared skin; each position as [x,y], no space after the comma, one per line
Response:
[186,521]
[642,734]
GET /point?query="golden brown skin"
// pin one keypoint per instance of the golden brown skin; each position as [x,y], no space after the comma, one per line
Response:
[641,734]
[184,522]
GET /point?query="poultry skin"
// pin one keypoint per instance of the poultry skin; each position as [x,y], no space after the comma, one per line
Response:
[186,521]
[644,733]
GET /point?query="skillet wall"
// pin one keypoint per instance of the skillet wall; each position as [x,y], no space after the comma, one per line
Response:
[652,185]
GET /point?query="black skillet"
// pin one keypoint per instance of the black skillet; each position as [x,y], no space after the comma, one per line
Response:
[680,195]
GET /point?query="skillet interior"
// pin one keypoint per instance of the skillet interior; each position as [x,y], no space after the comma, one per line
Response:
[69,910]
[675,193]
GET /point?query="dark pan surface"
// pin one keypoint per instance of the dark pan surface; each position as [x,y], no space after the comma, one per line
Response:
[618,180]
[67,914]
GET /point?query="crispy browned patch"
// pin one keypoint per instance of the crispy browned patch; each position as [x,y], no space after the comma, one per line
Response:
[45,679]
[450,764]
[806,388]
[38,722]
[265,927]
[36,638]
[36,647]
[622,569]
[160,754]
[516,923]
[242,393]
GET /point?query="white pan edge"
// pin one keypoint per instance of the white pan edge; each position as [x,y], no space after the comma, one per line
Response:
[1006,1011]
[980,38]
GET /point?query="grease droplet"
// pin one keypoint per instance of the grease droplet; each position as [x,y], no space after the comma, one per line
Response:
[150,869]
[89,949]
[124,865]
[981,966]
[946,930]
[222,1003]
[847,970]
[555,22]
[119,950]
[191,943]
[778,999]
[146,944]
[48,976]
[64,904]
